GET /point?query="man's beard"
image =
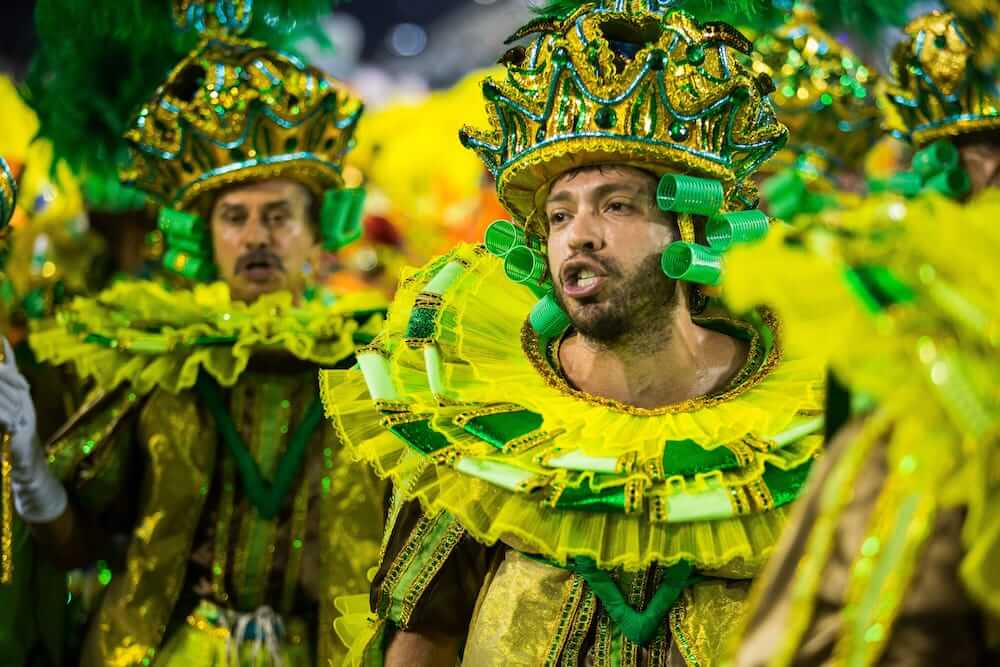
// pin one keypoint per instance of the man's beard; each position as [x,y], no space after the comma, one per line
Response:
[636,305]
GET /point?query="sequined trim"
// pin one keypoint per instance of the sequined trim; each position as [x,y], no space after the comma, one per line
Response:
[749,376]
[585,607]
[429,569]
[526,442]
[401,563]
[220,548]
[676,627]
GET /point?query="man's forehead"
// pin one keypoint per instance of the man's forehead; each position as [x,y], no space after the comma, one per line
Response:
[263,192]
[605,176]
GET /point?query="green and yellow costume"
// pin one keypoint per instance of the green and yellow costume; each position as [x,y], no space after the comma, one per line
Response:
[532,522]
[236,519]
[893,553]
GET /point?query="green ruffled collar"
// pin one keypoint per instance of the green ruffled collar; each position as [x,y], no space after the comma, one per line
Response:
[148,336]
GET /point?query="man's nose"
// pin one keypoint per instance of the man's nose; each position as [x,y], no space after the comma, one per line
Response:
[586,232]
[256,233]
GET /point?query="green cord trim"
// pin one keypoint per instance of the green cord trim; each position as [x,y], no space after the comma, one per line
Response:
[640,627]
[267,498]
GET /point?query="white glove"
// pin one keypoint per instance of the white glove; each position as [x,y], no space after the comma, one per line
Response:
[38,495]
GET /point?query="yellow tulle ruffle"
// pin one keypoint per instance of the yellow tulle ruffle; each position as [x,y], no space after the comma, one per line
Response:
[478,336]
[929,361]
[140,333]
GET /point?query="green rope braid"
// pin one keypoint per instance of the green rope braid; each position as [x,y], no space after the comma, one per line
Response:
[639,626]
[267,498]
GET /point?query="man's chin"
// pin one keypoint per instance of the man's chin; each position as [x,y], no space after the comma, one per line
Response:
[249,291]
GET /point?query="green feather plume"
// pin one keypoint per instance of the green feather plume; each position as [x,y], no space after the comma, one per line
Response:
[99,60]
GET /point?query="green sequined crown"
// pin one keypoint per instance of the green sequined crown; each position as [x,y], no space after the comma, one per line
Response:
[234,110]
[936,89]
[629,82]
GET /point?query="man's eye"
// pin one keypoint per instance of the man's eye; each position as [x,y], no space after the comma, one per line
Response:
[235,219]
[619,207]
[276,219]
[557,217]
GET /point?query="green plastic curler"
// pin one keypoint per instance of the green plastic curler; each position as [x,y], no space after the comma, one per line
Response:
[953,183]
[726,229]
[906,183]
[692,263]
[687,194]
[938,157]
[179,224]
[188,265]
[524,265]
[340,218]
[547,317]
[503,236]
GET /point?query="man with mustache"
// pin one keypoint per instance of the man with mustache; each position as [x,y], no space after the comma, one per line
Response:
[220,513]
[588,464]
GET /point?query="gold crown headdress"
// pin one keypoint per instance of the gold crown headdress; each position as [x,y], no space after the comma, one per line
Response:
[235,110]
[625,81]
[232,109]
[822,91]
[936,91]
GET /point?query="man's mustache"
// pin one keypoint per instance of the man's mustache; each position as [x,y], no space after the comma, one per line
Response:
[259,256]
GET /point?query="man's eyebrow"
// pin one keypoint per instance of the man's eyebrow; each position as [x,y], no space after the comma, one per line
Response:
[614,188]
[559,196]
[232,207]
[277,204]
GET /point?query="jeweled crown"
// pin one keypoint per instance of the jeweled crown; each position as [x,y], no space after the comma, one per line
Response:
[822,91]
[629,82]
[233,110]
[936,91]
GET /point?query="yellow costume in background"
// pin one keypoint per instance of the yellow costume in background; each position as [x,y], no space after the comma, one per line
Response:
[892,556]
[235,516]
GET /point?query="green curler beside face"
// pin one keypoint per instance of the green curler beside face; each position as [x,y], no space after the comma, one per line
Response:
[953,183]
[341,217]
[503,236]
[547,317]
[727,229]
[524,265]
[941,156]
[692,263]
[688,194]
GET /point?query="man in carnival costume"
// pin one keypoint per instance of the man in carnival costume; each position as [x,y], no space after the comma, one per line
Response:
[223,517]
[893,558]
[584,470]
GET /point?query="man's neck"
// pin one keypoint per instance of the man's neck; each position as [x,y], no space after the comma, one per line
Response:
[671,362]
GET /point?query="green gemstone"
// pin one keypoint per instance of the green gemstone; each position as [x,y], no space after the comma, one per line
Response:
[678,131]
[696,54]
[605,117]
[490,91]
[560,56]
[657,60]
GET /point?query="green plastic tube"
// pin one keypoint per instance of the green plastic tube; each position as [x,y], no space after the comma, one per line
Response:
[503,236]
[547,317]
[953,183]
[175,223]
[340,217]
[727,229]
[524,265]
[692,263]
[688,194]
[906,183]
[939,157]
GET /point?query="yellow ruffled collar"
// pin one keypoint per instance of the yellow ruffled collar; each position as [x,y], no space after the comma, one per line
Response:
[144,334]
